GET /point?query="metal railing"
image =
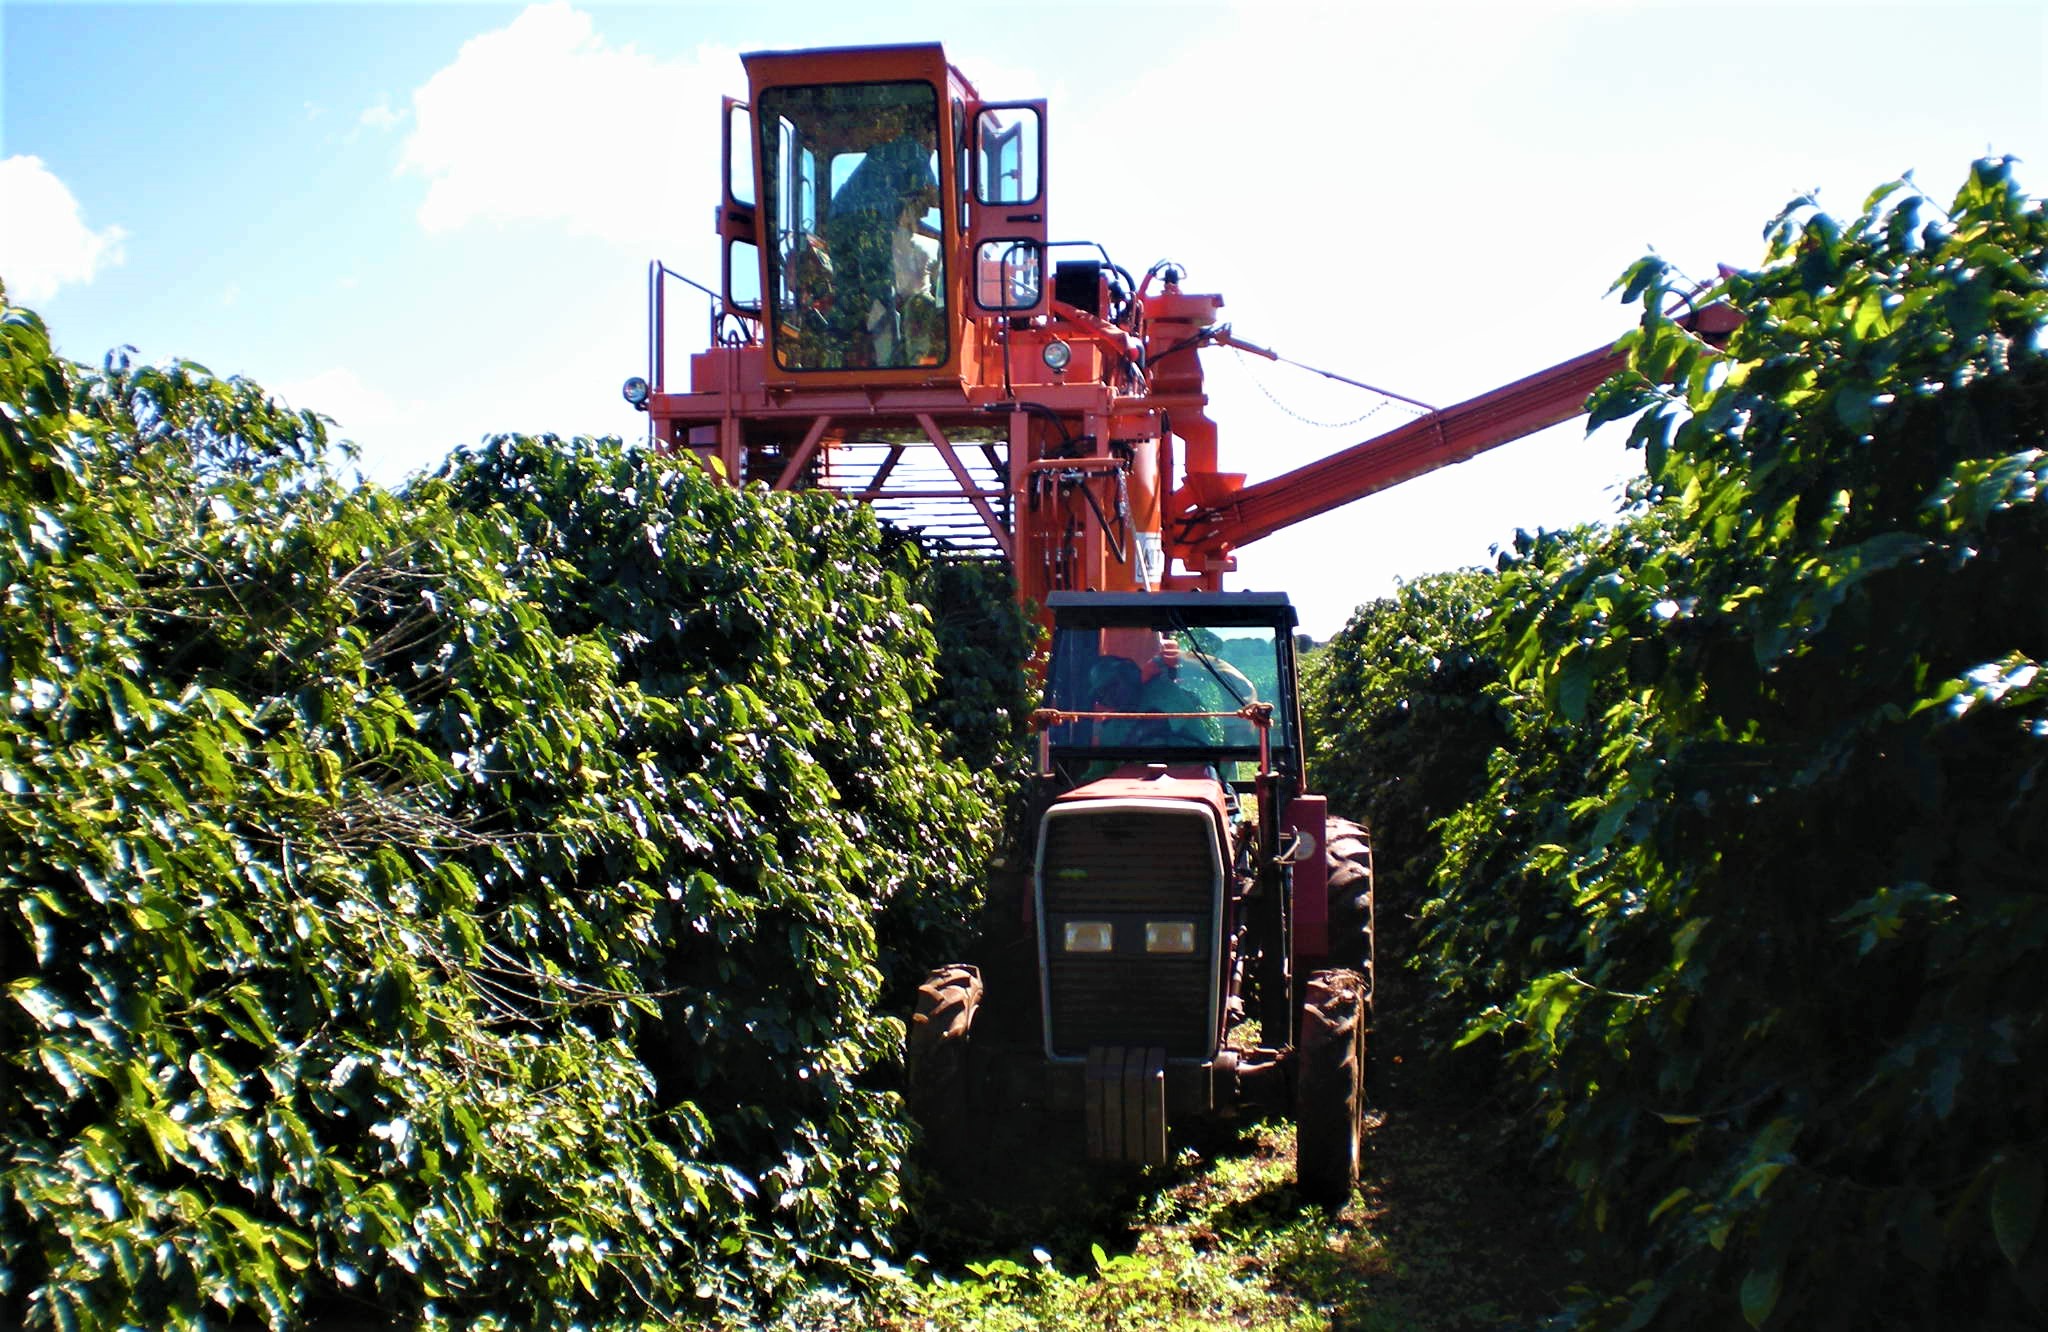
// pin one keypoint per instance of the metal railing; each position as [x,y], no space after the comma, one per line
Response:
[1044,719]
[657,321]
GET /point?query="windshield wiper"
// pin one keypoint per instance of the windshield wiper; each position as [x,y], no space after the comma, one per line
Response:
[1180,626]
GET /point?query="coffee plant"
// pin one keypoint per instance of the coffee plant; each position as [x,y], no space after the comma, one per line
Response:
[1401,721]
[458,905]
[1752,891]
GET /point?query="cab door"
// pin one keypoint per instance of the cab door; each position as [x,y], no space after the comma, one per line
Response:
[1006,212]
[739,231]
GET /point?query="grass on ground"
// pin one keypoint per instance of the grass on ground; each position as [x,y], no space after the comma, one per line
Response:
[1439,1238]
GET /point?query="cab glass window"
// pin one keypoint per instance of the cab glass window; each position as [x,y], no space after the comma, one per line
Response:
[1162,675]
[1008,274]
[1007,172]
[740,159]
[965,169]
[743,276]
[853,222]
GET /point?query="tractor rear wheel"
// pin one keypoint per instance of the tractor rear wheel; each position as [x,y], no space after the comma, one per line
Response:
[937,1086]
[1348,852]
[1329,1087]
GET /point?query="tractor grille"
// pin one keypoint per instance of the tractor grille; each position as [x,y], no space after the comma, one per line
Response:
[1130,1001]
[1125,859]
[1126,865]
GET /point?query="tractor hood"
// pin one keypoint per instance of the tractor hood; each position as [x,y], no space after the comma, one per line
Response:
[1155,781]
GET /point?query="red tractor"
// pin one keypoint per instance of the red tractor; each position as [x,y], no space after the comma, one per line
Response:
[1189,935]
[896,323]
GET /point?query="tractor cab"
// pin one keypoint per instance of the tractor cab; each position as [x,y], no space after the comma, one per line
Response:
[1148,678]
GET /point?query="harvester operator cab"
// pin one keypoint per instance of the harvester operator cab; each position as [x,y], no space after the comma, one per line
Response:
[856,261]
[876,213]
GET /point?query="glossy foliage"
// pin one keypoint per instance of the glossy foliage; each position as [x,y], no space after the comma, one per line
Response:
[460,904]
[1400,721]
[1753,890]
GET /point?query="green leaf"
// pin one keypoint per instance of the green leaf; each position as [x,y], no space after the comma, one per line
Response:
[2016,1196]
[47,1010]
[1574,685]
[238,932]
[165,1134]
[1671,1199]
[1855,409]
[1758,1179]
[1883,192]
[213,766]
[1553,1002]
[1760,1295]
[231,704]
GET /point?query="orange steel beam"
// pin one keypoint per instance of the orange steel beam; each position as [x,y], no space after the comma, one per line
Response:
[881,476]
[802,457]
[1450,435]
[996,528]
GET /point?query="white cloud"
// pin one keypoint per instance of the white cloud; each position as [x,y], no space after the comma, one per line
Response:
[44,241]
[386,431]
[545,121]
[383,117]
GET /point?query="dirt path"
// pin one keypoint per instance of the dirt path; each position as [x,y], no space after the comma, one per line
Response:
[1447,1233]
[1477,1240]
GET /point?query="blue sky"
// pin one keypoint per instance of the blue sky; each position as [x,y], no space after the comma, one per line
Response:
[432,222]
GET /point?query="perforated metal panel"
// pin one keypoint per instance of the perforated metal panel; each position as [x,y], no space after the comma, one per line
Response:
[1128,862]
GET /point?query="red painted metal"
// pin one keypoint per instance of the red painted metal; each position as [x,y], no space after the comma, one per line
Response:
[1308,816]
[1103,474]
[1450,435]
[805,451]
[1139,781]
[967,487]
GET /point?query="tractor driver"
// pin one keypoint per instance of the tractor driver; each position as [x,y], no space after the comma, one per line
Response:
[1119,686]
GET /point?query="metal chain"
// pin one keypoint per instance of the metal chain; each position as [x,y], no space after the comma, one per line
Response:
[1367,415]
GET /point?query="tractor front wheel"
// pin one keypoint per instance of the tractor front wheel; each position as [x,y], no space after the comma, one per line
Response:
[1329,1087]
[937,1087]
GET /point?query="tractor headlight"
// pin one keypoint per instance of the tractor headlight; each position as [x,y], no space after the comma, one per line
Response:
[1089,936]
[1169,936]
[636,391]
[1056,355]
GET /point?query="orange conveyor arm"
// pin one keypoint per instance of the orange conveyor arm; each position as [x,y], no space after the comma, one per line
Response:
[1448,435]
